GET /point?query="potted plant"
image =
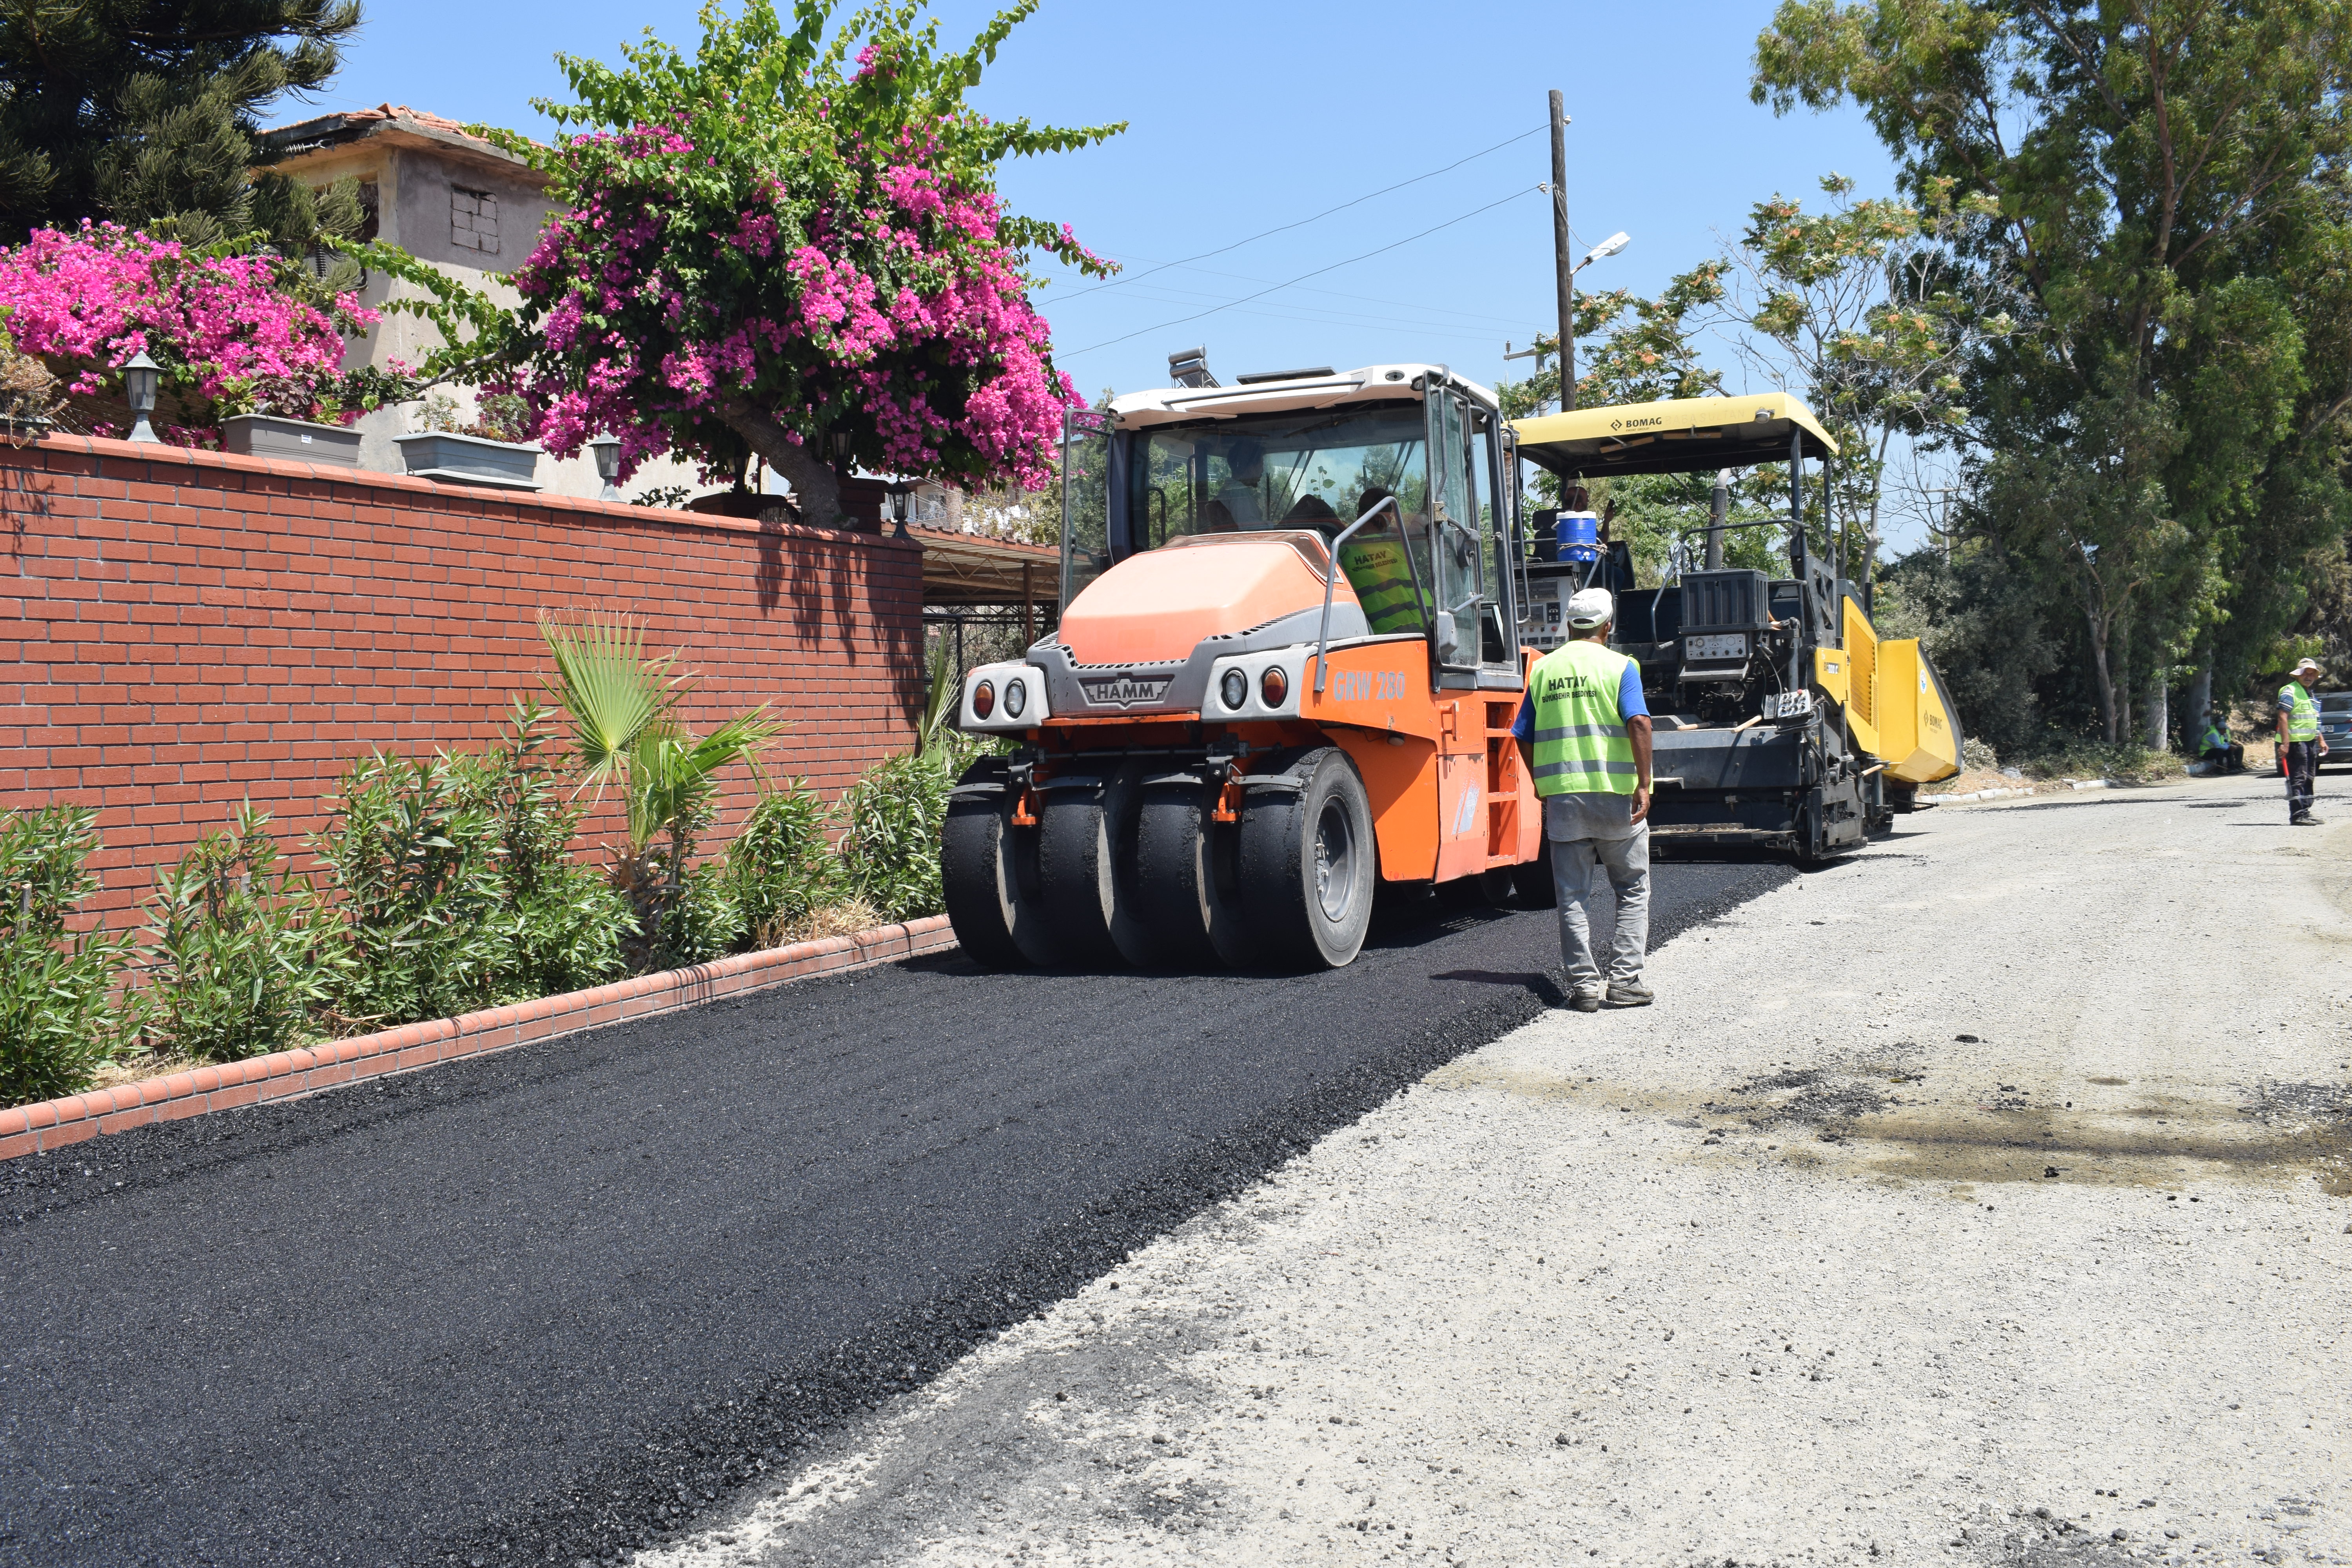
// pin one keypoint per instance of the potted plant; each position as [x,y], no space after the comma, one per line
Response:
[489,450]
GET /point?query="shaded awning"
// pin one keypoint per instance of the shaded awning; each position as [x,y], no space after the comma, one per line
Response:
[973,569]
[1681,435]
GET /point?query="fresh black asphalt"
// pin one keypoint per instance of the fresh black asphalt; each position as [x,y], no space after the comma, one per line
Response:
[548,1305]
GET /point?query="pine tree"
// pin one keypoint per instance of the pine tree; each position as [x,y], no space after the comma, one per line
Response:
[142,112]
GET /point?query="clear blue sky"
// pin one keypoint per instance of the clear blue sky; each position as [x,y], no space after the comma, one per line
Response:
[1246,116]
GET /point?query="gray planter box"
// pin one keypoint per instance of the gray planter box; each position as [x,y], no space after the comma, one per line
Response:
[471,460]
[296,440]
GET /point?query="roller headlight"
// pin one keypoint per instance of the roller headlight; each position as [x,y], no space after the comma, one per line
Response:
[1275,686]
[1234,688]
[983,699]
[1016,697]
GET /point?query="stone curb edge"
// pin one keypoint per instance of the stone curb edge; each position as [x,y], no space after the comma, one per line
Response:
[52,1125]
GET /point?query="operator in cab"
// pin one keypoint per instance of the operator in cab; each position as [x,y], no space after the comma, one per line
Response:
[1236,507]
[1583,735]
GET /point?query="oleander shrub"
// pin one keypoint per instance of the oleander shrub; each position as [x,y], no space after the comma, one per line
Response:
[780,868]
[890,840]
[235,963]
[61,1016]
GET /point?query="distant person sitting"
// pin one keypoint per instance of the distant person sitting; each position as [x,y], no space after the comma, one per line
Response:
[1236,506]
[2214,746]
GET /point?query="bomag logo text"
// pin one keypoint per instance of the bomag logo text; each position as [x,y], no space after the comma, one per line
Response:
[1650,423]
[1367,685]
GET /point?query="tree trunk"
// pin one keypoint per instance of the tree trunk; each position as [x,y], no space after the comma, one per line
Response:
[2200,696]
[2159,713]
[2099,668]
[815,491]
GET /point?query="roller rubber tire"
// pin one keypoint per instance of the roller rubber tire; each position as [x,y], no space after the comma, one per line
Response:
[1533,878]
[1186,895]
[988,873]
[1309,864]
[1084,830]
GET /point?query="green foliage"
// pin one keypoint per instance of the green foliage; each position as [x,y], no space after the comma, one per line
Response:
[623,707]
[1981,621]
[453,890]
[61,1012]
[236,963]
[146,114]
[780,867]
[890,844]
[2165,216]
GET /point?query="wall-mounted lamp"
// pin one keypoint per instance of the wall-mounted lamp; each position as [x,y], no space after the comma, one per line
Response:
[901,493]
[607,449]
[842,442]
[141,377]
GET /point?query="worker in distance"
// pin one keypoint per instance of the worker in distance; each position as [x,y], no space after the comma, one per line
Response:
[2301,745]
[1583,735]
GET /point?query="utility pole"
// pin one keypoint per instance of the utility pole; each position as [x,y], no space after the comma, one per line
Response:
[1559,252]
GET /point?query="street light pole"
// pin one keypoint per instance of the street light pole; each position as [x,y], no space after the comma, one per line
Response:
[1567,273]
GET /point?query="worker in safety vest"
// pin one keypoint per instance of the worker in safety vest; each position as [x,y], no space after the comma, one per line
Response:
[1583,735]
[1377,569]
[2214,746]
[2300,743]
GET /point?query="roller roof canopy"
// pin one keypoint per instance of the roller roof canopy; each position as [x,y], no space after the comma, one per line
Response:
[1683,434]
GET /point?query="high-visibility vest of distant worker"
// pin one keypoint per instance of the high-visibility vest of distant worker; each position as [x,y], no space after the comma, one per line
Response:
[2214,746]
[1583,735]
[2301,745]
[1380,570]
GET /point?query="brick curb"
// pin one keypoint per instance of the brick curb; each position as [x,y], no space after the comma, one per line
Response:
[284,1075]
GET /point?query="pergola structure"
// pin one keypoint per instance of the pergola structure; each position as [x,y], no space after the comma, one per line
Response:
[969,569]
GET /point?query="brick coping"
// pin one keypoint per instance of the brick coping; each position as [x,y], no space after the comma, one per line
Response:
[424,490]
[51,1124]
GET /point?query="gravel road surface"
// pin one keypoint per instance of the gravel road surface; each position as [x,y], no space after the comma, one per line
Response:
[1984,1200]
[546,1306]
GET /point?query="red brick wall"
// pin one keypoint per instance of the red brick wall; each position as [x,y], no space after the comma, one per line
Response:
[182,630]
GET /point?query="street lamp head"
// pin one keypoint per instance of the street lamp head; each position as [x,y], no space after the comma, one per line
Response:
[901,490]
[1610,246]
[607,452]
[141,378]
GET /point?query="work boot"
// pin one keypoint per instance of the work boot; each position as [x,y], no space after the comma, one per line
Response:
[1585,1001]
[2306,820]
[1629,994]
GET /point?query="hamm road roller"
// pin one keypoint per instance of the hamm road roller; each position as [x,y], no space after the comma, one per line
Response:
[1783,722]
[1286,671]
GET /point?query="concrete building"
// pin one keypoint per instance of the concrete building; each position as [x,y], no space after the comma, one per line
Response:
[461,205]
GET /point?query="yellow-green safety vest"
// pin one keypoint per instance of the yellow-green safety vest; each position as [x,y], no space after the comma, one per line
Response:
[1581,743]
[1382,579]
[2303,712]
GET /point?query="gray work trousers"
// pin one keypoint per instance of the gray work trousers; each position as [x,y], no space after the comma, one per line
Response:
[1626,859]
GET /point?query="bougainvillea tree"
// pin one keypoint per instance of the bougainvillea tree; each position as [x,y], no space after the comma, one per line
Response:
[233,334]
[792,248]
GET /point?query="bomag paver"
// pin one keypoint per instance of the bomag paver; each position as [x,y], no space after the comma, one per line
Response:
[1783,723]
[1286,671]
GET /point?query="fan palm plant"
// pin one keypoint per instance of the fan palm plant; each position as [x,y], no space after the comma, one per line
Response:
[623,705]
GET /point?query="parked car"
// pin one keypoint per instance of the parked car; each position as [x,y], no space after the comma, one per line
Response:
[2335,728]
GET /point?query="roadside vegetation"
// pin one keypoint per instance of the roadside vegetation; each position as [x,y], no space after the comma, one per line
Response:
[461,880]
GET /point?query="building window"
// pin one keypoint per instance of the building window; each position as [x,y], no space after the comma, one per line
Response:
[473,220]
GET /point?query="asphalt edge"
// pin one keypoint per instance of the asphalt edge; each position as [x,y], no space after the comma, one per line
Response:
[51,1124]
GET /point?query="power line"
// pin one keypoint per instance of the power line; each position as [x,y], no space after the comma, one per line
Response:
[1302,278]
[1302,223]
[1477,317]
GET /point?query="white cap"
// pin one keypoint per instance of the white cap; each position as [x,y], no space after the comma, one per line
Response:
[1590,607]
[2310,664]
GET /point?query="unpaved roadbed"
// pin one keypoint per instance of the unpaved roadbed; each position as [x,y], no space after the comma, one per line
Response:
[1777,1270]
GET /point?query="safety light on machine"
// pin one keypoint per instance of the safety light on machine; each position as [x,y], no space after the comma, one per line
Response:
[1234,688]
[1275,686]
[983,699]
[1016,697]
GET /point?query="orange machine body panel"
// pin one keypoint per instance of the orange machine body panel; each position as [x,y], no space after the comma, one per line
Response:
[1159,604]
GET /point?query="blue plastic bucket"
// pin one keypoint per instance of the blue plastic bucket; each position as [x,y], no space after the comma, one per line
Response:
[1579,533]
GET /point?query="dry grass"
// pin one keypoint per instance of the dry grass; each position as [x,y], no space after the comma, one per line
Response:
[140,1065]
[846,918]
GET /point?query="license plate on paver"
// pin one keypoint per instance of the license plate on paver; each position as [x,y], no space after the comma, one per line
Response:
[1727,645]
[1788,704]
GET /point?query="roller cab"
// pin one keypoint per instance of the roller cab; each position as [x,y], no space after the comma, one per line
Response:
[1284,672]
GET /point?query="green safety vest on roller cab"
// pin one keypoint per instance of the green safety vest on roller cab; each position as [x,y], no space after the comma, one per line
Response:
[1581,740]
[1382,579]
[2302,711]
